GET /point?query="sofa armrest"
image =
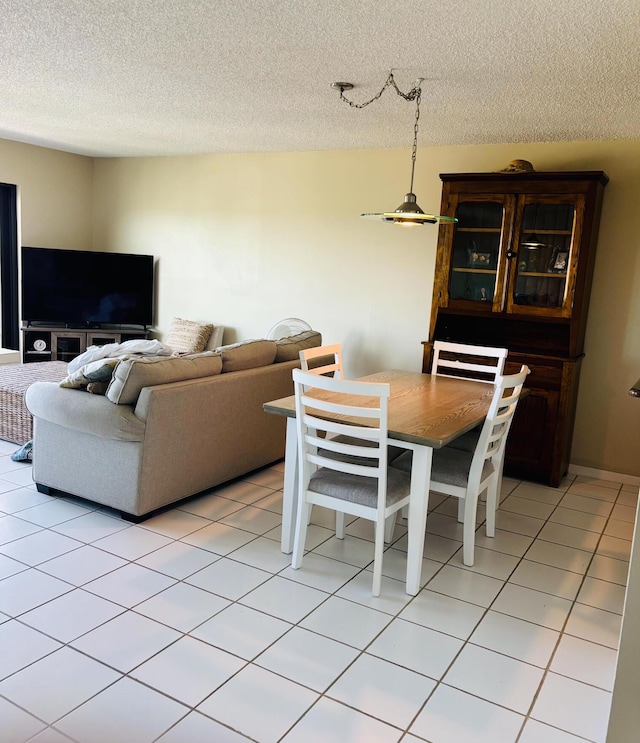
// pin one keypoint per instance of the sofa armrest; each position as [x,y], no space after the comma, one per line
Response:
[81,411]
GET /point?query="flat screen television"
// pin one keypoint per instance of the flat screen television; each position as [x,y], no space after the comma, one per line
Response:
[86,288]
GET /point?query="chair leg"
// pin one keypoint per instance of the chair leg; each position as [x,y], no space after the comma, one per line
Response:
[461,502]
[340,524]
[469,529]
[301,534]
[405,512]
[389,527]
[377,559]
[492,506]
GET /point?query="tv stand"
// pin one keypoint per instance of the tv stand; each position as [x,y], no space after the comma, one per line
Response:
[64,343]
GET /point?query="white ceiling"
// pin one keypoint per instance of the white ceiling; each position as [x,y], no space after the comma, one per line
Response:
[166,77]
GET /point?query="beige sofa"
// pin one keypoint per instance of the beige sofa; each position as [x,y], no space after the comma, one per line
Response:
[167,428]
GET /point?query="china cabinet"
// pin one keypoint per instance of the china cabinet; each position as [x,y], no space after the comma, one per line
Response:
[515,271]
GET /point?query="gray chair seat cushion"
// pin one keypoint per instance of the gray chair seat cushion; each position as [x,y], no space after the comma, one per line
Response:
[358,489]
[449,466]
[468,441]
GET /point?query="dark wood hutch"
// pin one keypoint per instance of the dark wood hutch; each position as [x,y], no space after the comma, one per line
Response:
[515,271]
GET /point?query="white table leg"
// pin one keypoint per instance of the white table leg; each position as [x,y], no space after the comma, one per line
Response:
[418,504]
[289,498]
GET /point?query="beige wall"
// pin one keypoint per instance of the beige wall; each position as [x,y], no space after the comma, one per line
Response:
[55,193]
[245,240]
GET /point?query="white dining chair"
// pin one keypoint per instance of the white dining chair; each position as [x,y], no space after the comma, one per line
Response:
[346,477]
[466,475]
[465,361]
[333,368]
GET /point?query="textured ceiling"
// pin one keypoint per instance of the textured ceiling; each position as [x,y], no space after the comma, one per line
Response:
[166,77]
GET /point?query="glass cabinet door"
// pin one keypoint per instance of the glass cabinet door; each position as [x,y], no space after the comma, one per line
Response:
[476,252]
[544,253]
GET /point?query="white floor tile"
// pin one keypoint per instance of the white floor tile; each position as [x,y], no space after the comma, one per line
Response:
[56,511]
[596,506]
[619,529]
[527,507]
[178,560]
[125,711]
[182,606]
[129,585]
[307,658]
[533,606]
[175,523]
[595,489]
[516,638]
[17,723]
[466,585]
[14,501]
[246,492]
[354,551]
[91,527]
[9,566]
[272,502]
[259,704]
[284,599]
[346,622]
[393,595]
[242,631]
[50,687]
[210,506]
[619,549]
[585,661]
[451,716]
[626,498]
[540,493]
[50,735]
[321,572]
[504,541]
[443,613]
[269,478]
[132,543]
[383,690]
[574,707]
[595,625]
[228,578]
[12,528]
[607,568]
[538,732]
[23,476]
[188,670]
[328,721]
[28,589]
[394,565]
[602,594]
[444,526]
[495,677]
[569,536]
[264,554]
[547,579]
[518,523]
[487,562]
[436,548]
[218,538]
[39,547]
[251,519]
[82,565]
[579,519]
[20,646]
[416,647]
[559,556]
[196,728]
[71,615]
[126,641]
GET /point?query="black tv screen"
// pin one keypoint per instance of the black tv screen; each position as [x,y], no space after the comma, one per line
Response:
[83,287]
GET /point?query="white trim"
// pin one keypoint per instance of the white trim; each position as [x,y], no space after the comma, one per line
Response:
[576,469]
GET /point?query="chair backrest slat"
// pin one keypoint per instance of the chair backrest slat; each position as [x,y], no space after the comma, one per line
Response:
[333,364]
[465,361]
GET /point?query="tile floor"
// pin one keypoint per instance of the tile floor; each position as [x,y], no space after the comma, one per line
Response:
[191,627]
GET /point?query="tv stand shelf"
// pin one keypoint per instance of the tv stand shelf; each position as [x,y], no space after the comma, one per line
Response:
[60,343]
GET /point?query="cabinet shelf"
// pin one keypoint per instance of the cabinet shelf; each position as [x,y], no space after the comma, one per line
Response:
[57,343]
[543,274]
[475,270]
[490,230]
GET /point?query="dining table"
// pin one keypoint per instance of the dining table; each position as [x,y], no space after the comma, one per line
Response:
[425,412]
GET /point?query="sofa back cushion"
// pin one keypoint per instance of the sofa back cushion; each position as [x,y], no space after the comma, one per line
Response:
[288,349]
[247,355]
[132,374]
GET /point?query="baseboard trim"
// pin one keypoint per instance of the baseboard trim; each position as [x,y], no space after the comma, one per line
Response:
[576,469]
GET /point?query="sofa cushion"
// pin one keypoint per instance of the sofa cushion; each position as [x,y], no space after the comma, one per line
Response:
[288,349]
[132,374]
[186,336]
[247,355]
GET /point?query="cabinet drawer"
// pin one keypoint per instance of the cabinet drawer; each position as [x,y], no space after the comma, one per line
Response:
[546,376]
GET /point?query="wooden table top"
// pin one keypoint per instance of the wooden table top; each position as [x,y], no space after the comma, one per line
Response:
[423,409]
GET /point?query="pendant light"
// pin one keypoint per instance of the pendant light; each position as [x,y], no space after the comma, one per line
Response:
[408,213]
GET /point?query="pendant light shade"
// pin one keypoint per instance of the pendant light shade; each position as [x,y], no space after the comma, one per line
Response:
[408,213]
